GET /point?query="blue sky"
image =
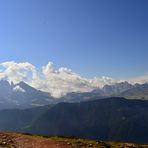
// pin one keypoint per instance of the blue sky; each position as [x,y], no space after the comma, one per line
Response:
[91,37]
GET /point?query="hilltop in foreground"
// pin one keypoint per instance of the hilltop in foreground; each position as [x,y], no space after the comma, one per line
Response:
[18,140]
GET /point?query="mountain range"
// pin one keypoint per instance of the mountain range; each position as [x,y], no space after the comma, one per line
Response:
[116,119]
[123,89]
[21,95]
[100,114]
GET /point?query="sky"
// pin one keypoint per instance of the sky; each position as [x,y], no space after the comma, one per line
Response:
[91,37]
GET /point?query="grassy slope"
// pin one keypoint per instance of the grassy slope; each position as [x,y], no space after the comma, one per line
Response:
[7,140]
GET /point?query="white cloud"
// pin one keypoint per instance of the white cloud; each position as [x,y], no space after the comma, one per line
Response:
[56,81]
[140,79]
[101,81]
[17,71]
[63,80]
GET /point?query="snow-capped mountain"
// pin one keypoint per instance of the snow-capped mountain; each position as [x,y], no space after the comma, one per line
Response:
[21,95]
[117,88]
[123,89]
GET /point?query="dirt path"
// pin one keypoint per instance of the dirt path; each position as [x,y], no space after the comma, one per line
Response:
[16,140]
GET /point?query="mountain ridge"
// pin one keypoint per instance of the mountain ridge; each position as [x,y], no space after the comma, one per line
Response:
[22,95]
[115,119]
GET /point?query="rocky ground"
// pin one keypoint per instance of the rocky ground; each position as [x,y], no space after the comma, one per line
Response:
[18,140]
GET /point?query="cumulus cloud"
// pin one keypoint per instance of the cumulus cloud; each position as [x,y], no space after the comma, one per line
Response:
[62,80]
[55,81]
[17,71]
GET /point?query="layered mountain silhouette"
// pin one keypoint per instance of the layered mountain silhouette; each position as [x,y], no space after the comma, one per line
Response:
[116,119]
[21,95]
[100,114]
[123,89]
[136,92]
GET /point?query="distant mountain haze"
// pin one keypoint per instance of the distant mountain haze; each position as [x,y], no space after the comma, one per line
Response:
[21,95]
[98,114]
[59,81]
[123,89]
